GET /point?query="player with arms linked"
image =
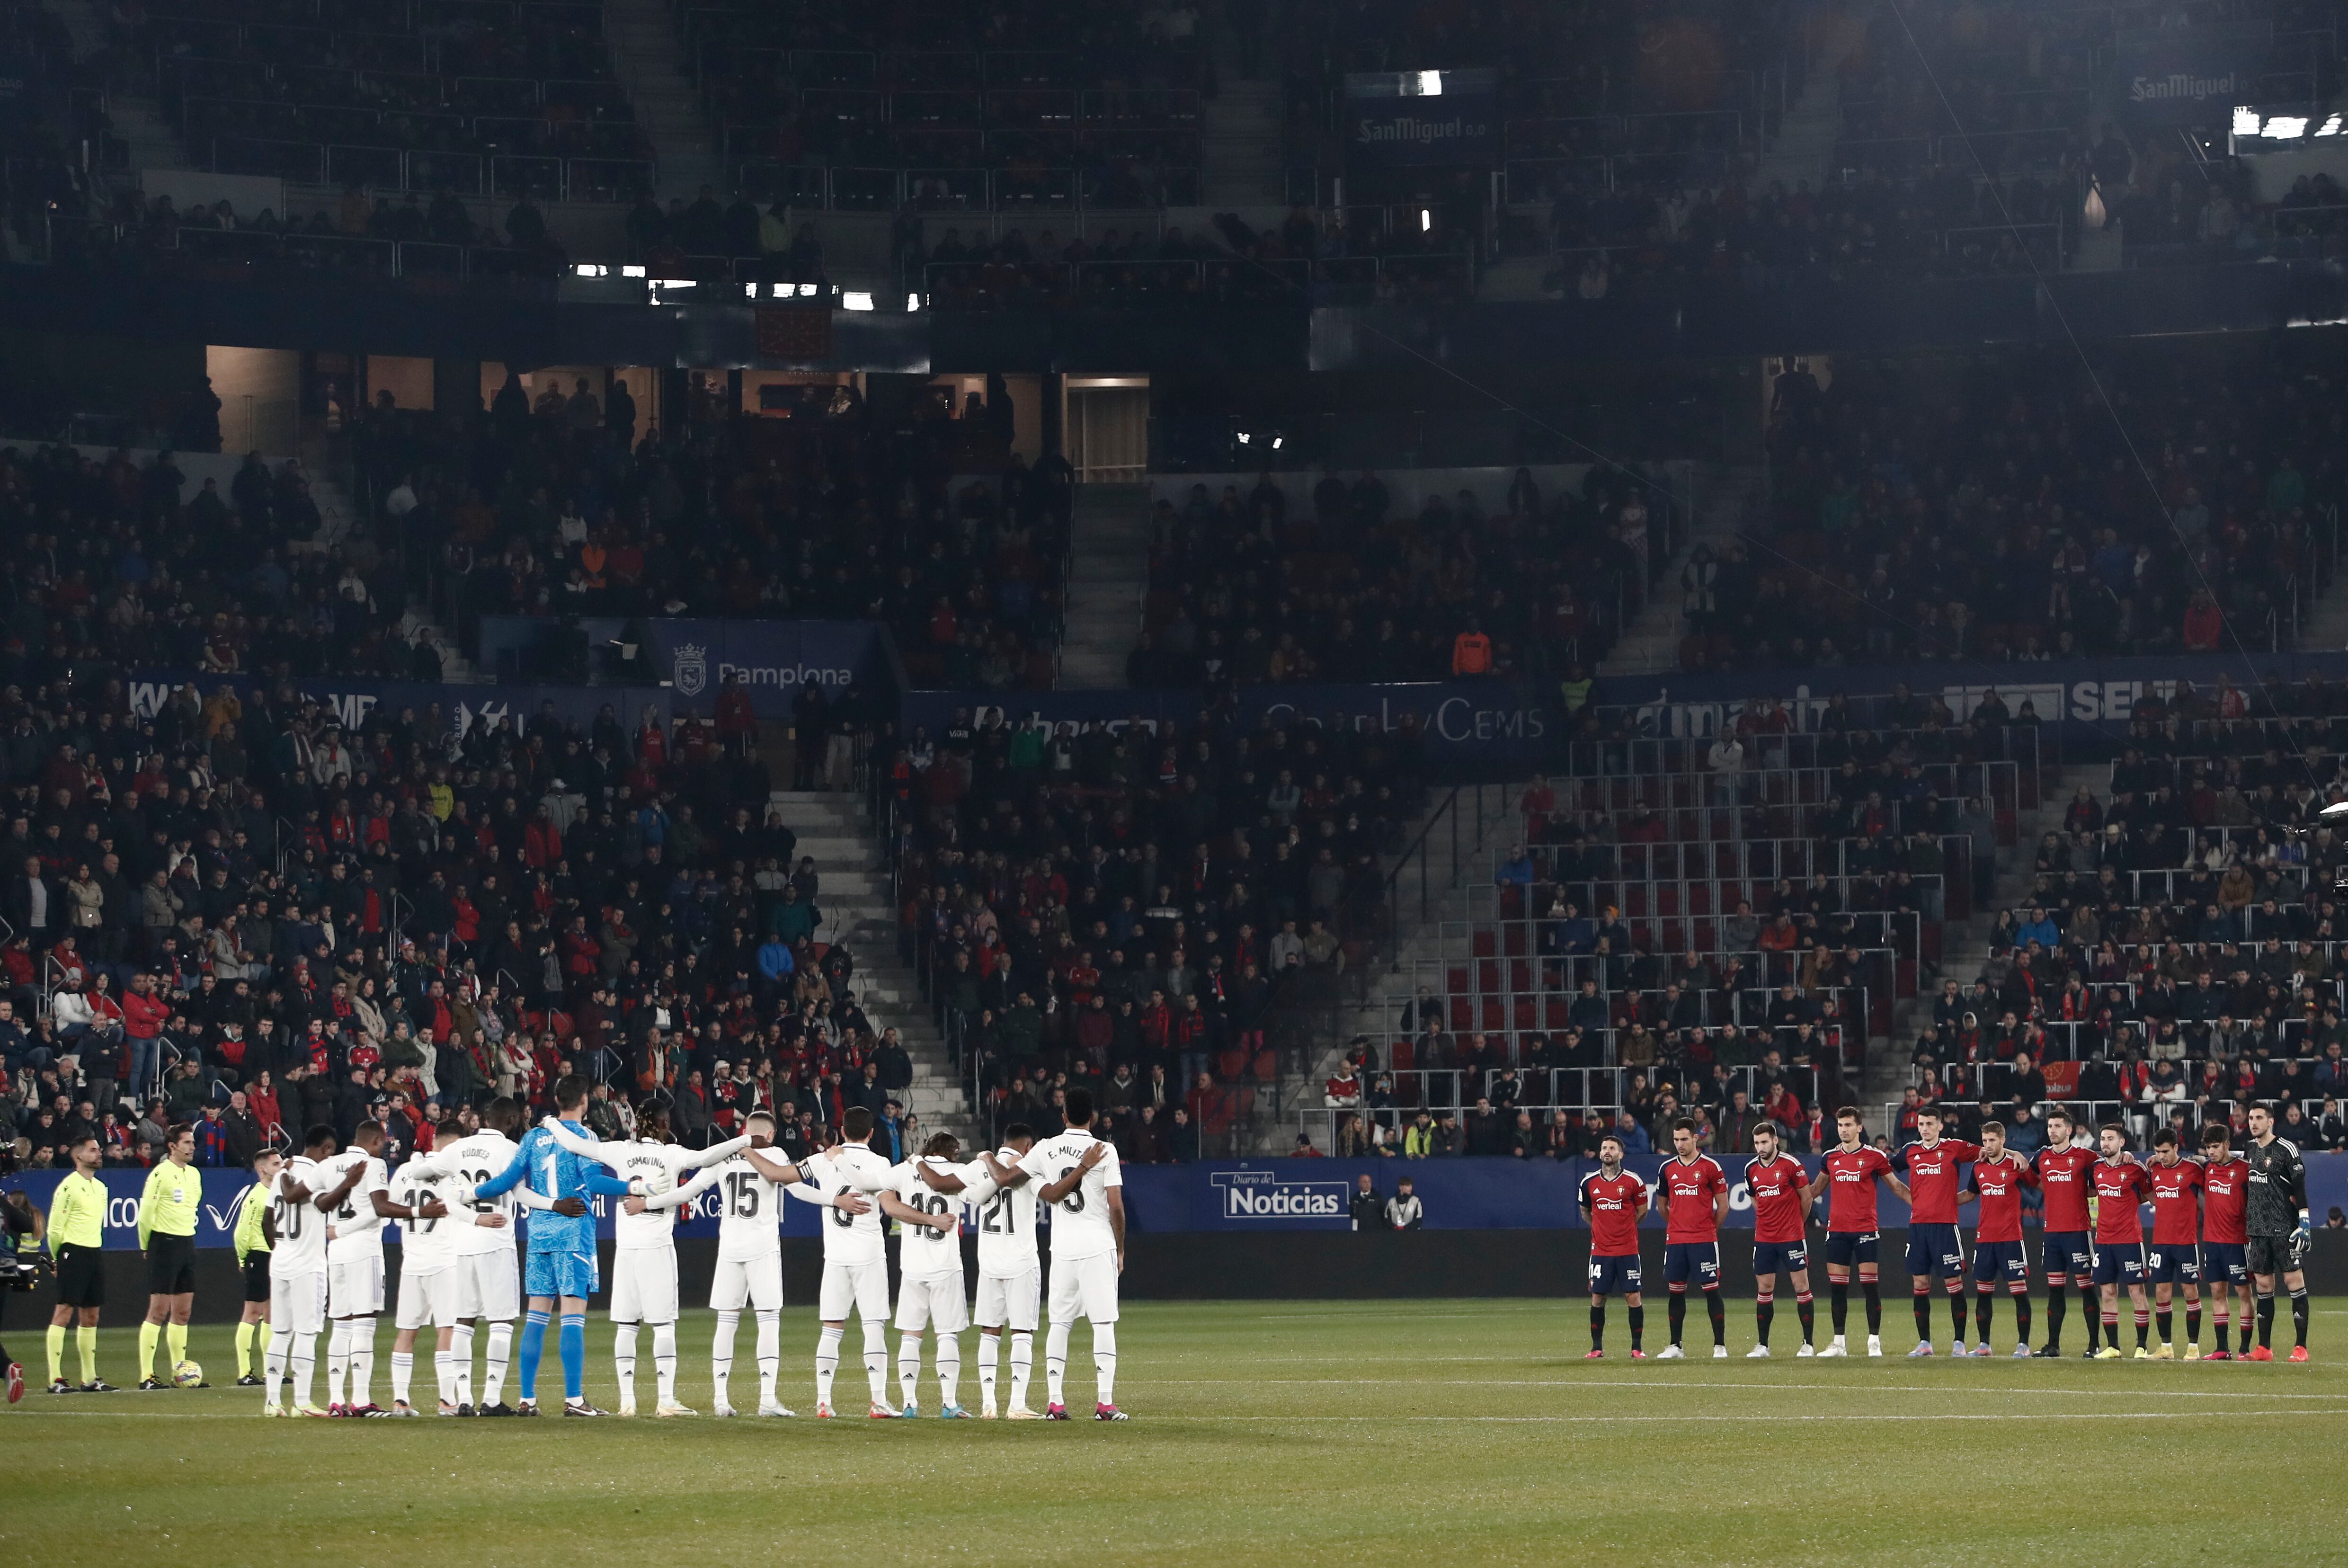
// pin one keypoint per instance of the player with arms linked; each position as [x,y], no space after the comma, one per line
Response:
[1932,1164]
[1849,1173]
[2277,1229]
[2000,1178]
[2121,1189]
[2175,1242]
[1613,1201]
[2064,1181]
[2225,1194]
[1695,1197]
[1781,1207]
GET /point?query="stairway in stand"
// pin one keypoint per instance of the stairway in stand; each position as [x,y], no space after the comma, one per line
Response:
[1108,576]
[660,84]
[854,896]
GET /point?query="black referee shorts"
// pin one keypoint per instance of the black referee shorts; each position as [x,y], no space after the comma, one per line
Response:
[81,1276]
[171,1264]
[256,1277]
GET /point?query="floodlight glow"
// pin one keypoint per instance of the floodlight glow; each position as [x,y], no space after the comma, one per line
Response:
[1430,84]
[856,302]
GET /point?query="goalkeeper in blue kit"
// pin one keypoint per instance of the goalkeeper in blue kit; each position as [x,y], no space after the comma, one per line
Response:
[560,1270]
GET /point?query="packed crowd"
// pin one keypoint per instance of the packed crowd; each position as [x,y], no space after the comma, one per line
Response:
[1291,584]
[239,913]
[830,508]
[1998,513]
[1122,907]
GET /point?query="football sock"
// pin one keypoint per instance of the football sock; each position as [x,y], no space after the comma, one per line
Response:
[876,1359]
[1839,1305]
[305,1367]
[444,1375]
[1874,1294]
[1981,1315]
[1055,1362]
[2219,1322]
[573,1346]
[1677,1314]
[2299,1314]
[175,1344]
[57,1347]
[1718,1313]
[2193,1323]
[460,1357]
[2088,1310]
[987,1345]
[1807,1313]
[2022,1316]
[273,1370]
[533,1345]
[2166,1321]
[770,1354]
[244,1349]
[85,1351]
[623,1360]
[948,1363]
[2057,1308]
[1023,1367]
[1957,1314]
[2143,1325]
[826,1362]
[1638,1316]
[2112,1325]
[1764,1311]
[403,1376]
[1923,1318]
[338,1359]
[1105,1360]
[664,1361]
[908,1368]
[148,1335]
[362,1368]
[1597,1325]
[495,1359]
[2266,1319]
[721,1353]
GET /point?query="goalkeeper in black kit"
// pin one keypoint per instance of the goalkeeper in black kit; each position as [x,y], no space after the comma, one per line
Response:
[2276,1227]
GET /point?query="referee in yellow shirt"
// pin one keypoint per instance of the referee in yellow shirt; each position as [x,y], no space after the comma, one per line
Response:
[167,1234]
[76,1246]
[251,1240]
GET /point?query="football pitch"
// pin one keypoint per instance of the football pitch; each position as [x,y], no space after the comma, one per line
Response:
[1298,1431]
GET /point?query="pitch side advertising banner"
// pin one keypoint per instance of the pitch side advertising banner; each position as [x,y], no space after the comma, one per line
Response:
[1406,118]
[772,658]
[1481,1194]
[1481,721]
[458,707]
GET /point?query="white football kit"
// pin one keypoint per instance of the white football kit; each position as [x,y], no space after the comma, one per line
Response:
[1010,1272]
[750,1232]
[354,1250]
[1084,1245]
[930,1291]
[488,1271]
[428,1294]
[855,1250]
[644,1246]
[297,1255]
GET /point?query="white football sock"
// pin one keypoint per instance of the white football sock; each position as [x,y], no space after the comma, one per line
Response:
[826,1362]
[460,1360]
[665,1360]
[444,1374]
[273,1369]
[948,1358]
[771,1355]
[876,1359]
[305,1367]
[1022,1368]
[909,1367]
[338,1358]
[1105,1360]
[987,1345]
[499,1352]
[623,1360]
[1055,1362]
[721,1351]
[362,1354]
[403,1375]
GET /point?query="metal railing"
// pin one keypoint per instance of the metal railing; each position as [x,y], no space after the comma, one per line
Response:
[550,176]
[1075,187]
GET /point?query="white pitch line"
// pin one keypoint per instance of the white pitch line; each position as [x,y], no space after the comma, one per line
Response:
[1708,1388]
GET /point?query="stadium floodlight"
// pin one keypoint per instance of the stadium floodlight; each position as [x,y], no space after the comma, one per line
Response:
[631,272]
[856,302]
[913,304]
[807,291]
[1425,219]
[590,270]
[2287,127]
[1430,84]
[2330,126]
[750,291]
[2246,120]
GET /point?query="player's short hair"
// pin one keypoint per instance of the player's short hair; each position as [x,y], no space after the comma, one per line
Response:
[2213,1135]
[570,1089]
[265,1152]
[1080,1107]
[767,1117]
[320,1135]
[2165,1138]
[504,1114]
[73,1143]
[1990,1127]
[651,1117]
[364,1128]
[1684,1124]
[857,1124]
[944,1145]
[2114,1127]
[1928,1110]
[178,1130]
[2062,1113]
[1613,1139]
[1017,1130]
[1771,1127]
[1851,1111]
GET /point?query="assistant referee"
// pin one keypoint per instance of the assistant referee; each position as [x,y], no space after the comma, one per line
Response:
[167,1234]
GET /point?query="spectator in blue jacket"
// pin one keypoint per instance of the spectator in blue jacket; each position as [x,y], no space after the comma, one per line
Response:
[1634,1136]
[2040,929]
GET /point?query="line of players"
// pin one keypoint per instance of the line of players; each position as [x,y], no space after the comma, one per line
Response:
[320,1260]
[2239,1219]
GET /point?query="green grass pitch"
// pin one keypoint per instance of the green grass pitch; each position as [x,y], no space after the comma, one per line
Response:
[1287,1432]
